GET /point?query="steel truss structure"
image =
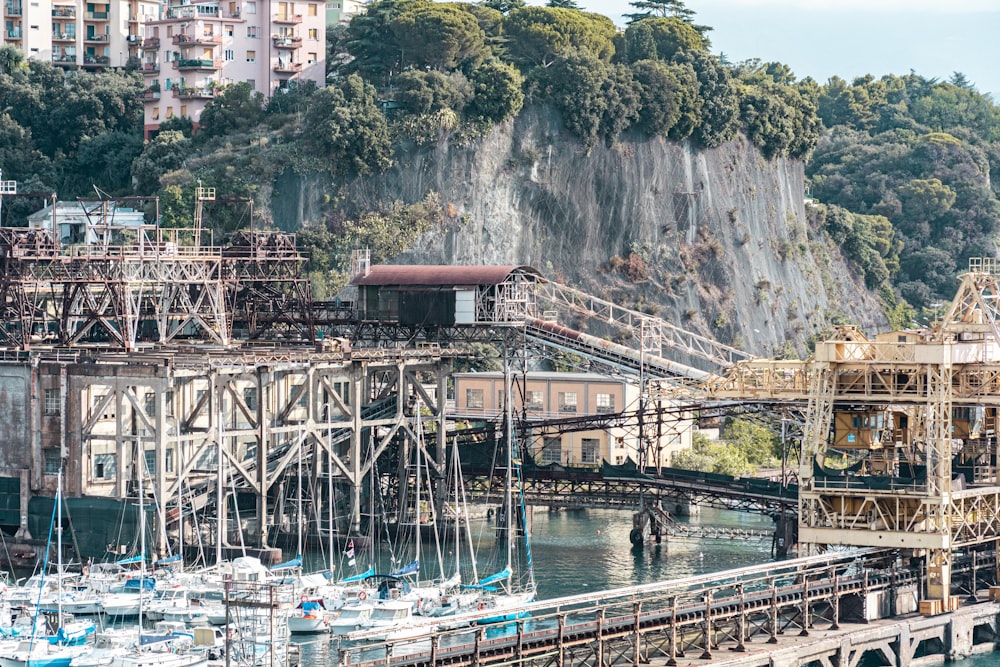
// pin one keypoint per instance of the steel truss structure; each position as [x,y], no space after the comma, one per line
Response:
[936,397]
[133,284]
[241,421]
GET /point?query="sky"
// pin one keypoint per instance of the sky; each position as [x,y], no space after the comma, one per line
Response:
[851,38]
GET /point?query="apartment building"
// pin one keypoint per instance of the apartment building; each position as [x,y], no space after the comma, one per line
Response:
[72,33]
[543,396]
[198,47]
[340,12]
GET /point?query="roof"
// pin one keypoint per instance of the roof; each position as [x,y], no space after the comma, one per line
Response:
[438,275]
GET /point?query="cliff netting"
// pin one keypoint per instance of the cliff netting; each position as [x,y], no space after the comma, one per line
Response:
[716,241]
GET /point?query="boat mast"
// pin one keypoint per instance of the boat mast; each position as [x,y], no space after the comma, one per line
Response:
[508,444]
[59,544]
[220,505]
[417,513]
[329,482]
[298,485]
[142,533]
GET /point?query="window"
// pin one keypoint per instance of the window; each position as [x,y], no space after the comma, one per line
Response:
[230,55]
[311,58]
[170,112]
[590,450]
[251,56]
[184,110]
[250,397]
[53,462]
[252,31]
[312,9]
[313,33]
[533,400]
[474,399]
[155,115]
[169,460]
[551,450]
[252,83]
[52,402]
[150,404]
[252,8]
[150,457]
[303,398]
[105,466]
[227,30]
[605,403]
[567,401]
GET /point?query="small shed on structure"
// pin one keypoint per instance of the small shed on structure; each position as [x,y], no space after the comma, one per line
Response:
[446,295]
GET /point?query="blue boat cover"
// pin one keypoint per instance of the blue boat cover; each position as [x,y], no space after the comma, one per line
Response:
[176,558]
[132,584]
[499,576]
[132,560]
[409,568]
[287,565]
[358,577]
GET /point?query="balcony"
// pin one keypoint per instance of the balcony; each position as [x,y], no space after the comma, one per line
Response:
[151,43]
[188,93]
[95,16]
[96,61]
[150,69]
[63,37]
[288,68]
[289,19]
[286,41]
[13,34]
[150,95]
[64,59]
[187,65]
[64,12]
[97,38]
[197,40]
[12,9]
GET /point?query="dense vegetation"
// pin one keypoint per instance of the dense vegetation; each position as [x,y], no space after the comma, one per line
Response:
[901,165]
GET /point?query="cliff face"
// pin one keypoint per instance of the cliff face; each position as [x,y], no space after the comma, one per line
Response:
[715,241]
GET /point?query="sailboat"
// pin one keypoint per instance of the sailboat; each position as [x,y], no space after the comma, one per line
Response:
[53,642]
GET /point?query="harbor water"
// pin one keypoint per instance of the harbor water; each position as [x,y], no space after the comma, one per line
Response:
[584,551]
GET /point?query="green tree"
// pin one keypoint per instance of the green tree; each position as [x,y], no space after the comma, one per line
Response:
[504,6]
[661,38]
[538,35]
[371,41]
[716,457]
[347,128]
[166,152]
[105,161]
[575,85]
[720,104]
[440,37]
[659,103]
[11,60]
[758,443]
[421,92]
[293,98]
[497,93]
[563,4]
[236,108]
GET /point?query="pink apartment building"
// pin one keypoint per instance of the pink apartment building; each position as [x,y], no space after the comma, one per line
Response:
[198,47]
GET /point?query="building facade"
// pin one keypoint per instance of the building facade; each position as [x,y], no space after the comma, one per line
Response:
[340,12]
[542,396]
[72,34]
[197,48]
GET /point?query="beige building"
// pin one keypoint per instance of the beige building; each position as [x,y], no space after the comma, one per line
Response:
[340,12]
[73,33]
[198,47]
[544,396]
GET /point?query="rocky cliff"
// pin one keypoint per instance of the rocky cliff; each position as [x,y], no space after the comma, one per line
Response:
[716,241]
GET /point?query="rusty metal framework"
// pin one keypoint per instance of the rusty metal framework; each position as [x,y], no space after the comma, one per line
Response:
[133,284]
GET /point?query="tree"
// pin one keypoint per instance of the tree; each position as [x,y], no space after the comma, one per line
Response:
[11,60]
[574,84]
[371,41]
[661,38]
[538,35]
[504,6]
[665,9]
[659,101]
[720,106]
[166,152]
[420,92]
[497,93]
[237,107]
[563,4]
[293,98]
[437,36]
[346,127]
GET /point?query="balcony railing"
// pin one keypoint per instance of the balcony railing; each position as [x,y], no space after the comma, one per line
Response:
[286,42]
[194,93]
[196,63]
[201,40]
[11,9]
[14,34]
[95,16]
[96,38]
[288,68]
[150,69]
[96,61]
[287,18]
[150,95]
[151,43]
[64,59]
[64,12]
